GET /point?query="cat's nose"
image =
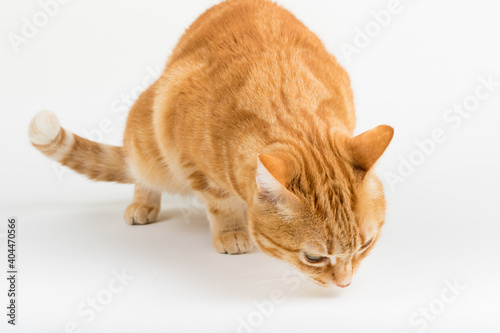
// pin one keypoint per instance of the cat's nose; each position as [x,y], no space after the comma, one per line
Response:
[343,285]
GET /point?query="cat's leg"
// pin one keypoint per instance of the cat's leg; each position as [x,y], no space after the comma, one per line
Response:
[227,216]
[145,207]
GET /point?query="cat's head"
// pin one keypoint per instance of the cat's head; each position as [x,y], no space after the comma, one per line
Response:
[321,211]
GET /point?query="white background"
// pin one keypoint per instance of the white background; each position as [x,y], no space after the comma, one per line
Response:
[442,222]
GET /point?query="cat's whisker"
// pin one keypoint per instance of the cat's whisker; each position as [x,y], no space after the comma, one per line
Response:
[367,216]
[320,236]
[249,274]
[262,282]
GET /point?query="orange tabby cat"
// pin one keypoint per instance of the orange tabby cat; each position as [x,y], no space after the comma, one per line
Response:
[255,117]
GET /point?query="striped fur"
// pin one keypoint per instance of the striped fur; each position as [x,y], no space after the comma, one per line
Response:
[254,116]
[96,161]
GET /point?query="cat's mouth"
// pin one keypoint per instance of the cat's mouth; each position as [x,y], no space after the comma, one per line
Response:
[328,284]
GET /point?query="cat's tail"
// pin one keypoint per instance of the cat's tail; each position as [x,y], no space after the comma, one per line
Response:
[95,160]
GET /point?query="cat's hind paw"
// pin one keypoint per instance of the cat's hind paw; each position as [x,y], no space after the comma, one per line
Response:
[138,213]
[233,242]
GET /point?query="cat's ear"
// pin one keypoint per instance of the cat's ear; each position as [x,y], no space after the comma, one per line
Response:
[368,147]
[273,177]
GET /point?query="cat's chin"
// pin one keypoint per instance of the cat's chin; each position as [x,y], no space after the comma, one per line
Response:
[323,284]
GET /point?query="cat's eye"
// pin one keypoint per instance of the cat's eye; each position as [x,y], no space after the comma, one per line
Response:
[313,259]
[366,244]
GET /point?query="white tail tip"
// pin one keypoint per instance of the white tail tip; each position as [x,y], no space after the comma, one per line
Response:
[44,128]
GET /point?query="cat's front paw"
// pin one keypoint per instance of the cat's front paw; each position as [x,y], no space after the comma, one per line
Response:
[233,242]
[138,213]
